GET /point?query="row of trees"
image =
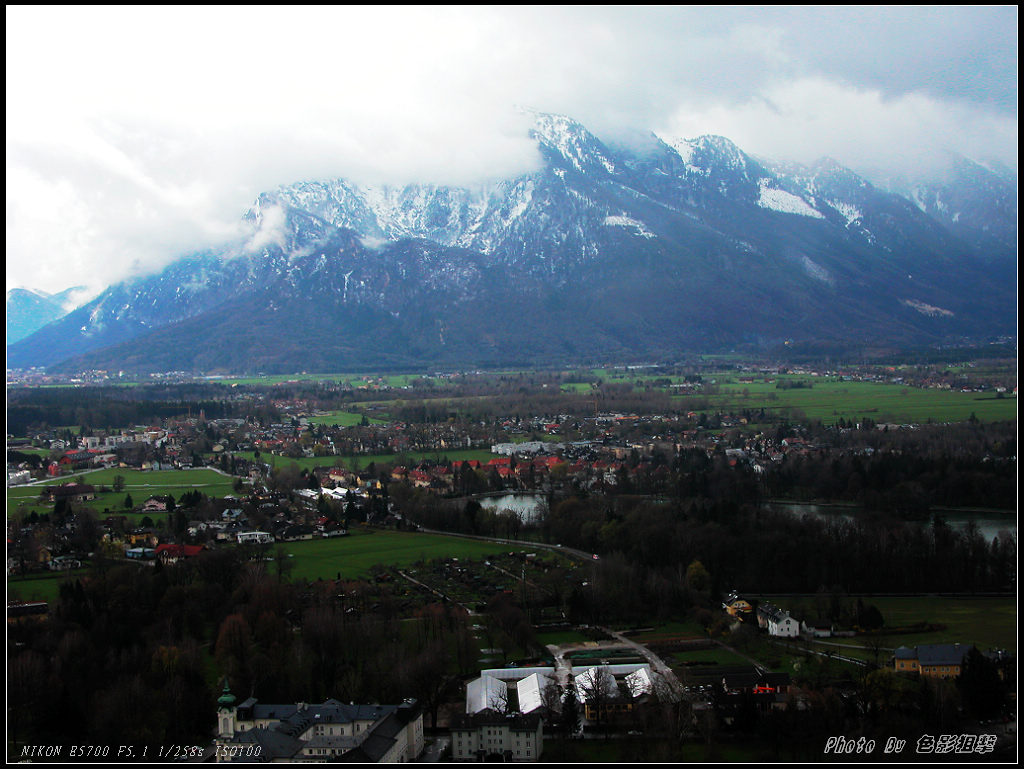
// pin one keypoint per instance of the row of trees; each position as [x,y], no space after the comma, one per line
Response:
[756,549]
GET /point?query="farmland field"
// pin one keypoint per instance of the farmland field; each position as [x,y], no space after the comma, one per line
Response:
[830,399]
[353,556]
[139,484]
[40,587]
[343,419]
[986,622]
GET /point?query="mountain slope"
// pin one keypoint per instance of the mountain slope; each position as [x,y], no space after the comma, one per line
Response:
[28,310]
[603,252]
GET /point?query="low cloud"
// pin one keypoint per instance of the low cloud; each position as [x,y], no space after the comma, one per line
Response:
[136,135]
[876,135]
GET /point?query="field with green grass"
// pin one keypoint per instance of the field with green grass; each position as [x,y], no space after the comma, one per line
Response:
[40,587]
[666,632]
[716,655]
[355,381]
[826,398]
[558,637]
[985,622]
[139,484]
[343,419]
[830,399]
[355,555]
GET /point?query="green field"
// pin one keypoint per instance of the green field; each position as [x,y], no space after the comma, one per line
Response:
[714,656]
[141,485]
[343,419]
[558,637]
[827,399]
[355,381]
[986,622]
[830,399]
[354,556]
[39,587]
[667,631]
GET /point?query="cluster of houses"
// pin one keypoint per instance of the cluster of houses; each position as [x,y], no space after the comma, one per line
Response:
[779,623]
[932,660]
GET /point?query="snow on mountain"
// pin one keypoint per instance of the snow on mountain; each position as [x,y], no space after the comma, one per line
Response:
[671,244]
[785,202]
[572,142]
[977,201]
[625,221]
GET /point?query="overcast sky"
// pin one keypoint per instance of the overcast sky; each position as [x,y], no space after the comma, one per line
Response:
[135,135]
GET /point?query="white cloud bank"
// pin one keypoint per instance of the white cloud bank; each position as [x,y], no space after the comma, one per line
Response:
[134,135]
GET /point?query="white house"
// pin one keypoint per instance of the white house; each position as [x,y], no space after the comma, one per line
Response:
[777,621]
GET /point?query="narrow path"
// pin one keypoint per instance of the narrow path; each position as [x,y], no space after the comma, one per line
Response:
[656,662]
[438,593]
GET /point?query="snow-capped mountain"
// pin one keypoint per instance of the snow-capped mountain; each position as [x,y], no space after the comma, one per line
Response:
[605,251]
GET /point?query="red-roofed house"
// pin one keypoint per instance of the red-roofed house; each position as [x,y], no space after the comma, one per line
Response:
[171,553]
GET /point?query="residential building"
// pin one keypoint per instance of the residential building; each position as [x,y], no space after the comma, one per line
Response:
[310,733]
[777,622]
[490,735]
[737,607]
[936,660]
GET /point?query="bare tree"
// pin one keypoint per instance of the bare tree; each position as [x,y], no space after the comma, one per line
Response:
[597,690]
[551,699]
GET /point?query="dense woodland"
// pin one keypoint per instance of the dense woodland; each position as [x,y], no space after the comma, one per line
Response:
[126,654]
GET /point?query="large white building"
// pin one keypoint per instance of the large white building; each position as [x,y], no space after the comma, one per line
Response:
[308,733]
[502,689]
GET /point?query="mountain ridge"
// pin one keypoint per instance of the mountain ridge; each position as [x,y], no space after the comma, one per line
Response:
[695,246]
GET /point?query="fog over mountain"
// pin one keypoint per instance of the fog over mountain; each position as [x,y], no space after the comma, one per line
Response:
[115,171]
[643,249]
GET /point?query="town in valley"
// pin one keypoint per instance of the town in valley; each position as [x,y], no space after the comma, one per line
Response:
[719,559]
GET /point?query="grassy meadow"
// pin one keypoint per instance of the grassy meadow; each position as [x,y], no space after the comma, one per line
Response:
[984,621]
[830,399]
[354,556]
[139,484]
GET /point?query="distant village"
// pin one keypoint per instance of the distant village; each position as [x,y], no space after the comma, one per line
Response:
[601,452]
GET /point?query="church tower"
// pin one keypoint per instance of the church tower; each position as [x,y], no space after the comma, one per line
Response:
[226,711]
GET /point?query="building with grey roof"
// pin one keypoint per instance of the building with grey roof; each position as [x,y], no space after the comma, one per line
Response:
[936,660]
[331,731]
[491,736]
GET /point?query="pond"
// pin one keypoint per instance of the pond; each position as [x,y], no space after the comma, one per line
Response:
[527,506]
